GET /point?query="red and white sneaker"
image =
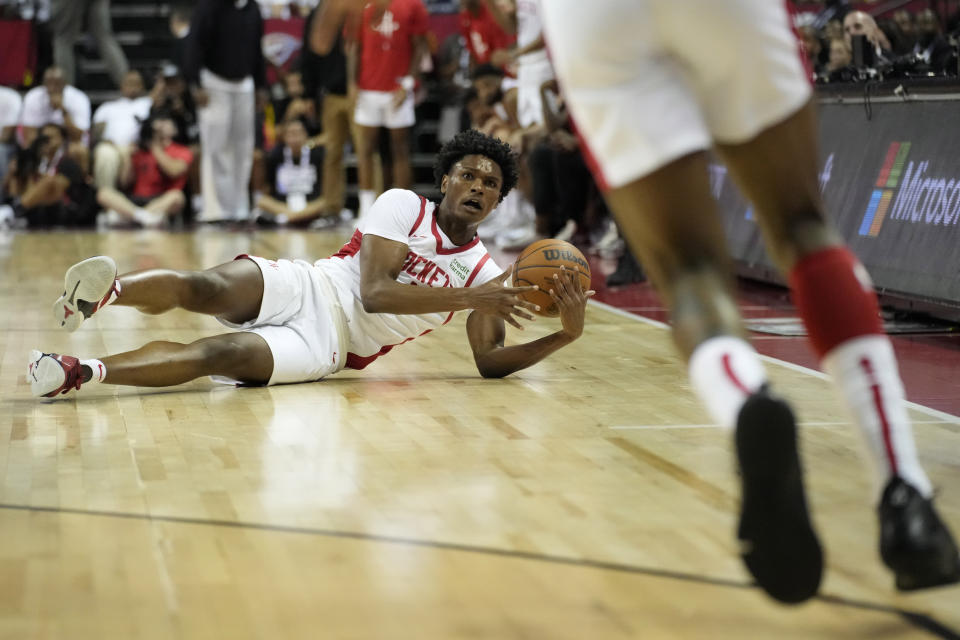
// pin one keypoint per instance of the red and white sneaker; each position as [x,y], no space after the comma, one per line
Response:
[87,287]
[51,374]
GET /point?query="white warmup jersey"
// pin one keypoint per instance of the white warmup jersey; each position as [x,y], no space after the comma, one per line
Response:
[432,261]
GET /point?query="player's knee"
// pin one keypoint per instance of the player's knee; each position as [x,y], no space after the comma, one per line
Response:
[201,286]
[226,352]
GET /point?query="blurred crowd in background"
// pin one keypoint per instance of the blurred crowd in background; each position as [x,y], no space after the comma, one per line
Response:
[226,115]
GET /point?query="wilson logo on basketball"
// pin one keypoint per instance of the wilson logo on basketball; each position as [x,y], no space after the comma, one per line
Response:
[561,254]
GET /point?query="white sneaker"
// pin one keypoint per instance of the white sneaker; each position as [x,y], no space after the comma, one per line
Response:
[610,243]
[568,231]
[87,286]
[51,374]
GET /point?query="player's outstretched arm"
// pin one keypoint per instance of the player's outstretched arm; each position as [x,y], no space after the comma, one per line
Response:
[380,263]
[486,333]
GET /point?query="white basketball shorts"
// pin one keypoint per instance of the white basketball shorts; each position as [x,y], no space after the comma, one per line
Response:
[649,81]
[375,109]
[300,319]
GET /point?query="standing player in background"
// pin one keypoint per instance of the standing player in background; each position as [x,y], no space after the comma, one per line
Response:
[533,64]
[652,87]
[300,322]
[383,63]
[223,65]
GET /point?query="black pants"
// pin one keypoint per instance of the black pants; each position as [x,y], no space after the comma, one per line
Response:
[561,185]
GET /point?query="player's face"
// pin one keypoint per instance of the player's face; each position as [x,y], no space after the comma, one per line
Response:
[294,134]
[53,80]
[473,186]
[132,85]
[488,88]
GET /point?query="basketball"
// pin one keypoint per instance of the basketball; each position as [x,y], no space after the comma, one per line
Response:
[537,264]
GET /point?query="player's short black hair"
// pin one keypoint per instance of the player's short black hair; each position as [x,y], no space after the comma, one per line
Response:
[486,70]
[472,142]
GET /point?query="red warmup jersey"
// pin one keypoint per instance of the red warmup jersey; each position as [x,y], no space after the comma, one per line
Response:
[483,34]
[386,43]
[149,180]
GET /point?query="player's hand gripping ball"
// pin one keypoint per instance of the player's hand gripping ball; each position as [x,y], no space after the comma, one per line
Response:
[539,262]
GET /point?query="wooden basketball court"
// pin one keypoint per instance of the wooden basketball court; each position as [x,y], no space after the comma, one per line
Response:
[584,498]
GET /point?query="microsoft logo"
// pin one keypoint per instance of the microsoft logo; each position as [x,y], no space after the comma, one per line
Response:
[883,192]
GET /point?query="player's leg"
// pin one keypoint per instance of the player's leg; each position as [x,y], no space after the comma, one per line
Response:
[369,115]
[336,119]
[671,221]
[399,120]
[232,291]
[240,356]
[643,125]
[778,172]
[366,148]
[400,153]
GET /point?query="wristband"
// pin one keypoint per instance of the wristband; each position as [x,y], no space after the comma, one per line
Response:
[407,83]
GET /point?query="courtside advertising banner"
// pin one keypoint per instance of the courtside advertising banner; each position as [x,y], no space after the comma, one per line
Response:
[891,183]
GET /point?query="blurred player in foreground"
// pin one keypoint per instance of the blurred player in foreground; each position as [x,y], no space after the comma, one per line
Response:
[300,322]
[654,84]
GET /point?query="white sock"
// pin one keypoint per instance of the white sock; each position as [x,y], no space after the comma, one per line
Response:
[724,372]
[864,372]
[367,198]
[98,369]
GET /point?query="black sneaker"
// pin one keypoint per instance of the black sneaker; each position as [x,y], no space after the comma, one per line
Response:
[777,540]
[914,542]
[628,271]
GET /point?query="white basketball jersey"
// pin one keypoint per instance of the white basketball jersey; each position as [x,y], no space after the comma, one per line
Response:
[432,261]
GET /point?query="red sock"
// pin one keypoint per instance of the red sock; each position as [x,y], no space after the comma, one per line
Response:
[835,298]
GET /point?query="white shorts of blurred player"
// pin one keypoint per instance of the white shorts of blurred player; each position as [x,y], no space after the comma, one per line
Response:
[375,109]
[649,81]
[300,319]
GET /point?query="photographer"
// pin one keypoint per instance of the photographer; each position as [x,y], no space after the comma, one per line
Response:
[295,175]
[874,49]
[157,174]
[47,187]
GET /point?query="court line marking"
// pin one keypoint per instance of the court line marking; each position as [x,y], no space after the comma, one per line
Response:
[813,424]
[916,618]
[942,416]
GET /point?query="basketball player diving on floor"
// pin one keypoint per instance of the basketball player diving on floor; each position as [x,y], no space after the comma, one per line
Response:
[652,85]
[300,322]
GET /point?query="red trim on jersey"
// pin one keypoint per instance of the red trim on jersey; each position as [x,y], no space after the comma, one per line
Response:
[351,248]
[867,368]
[423,210]
[728,370]
[476,270]
[589,159]
[446,252]
[360,362]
